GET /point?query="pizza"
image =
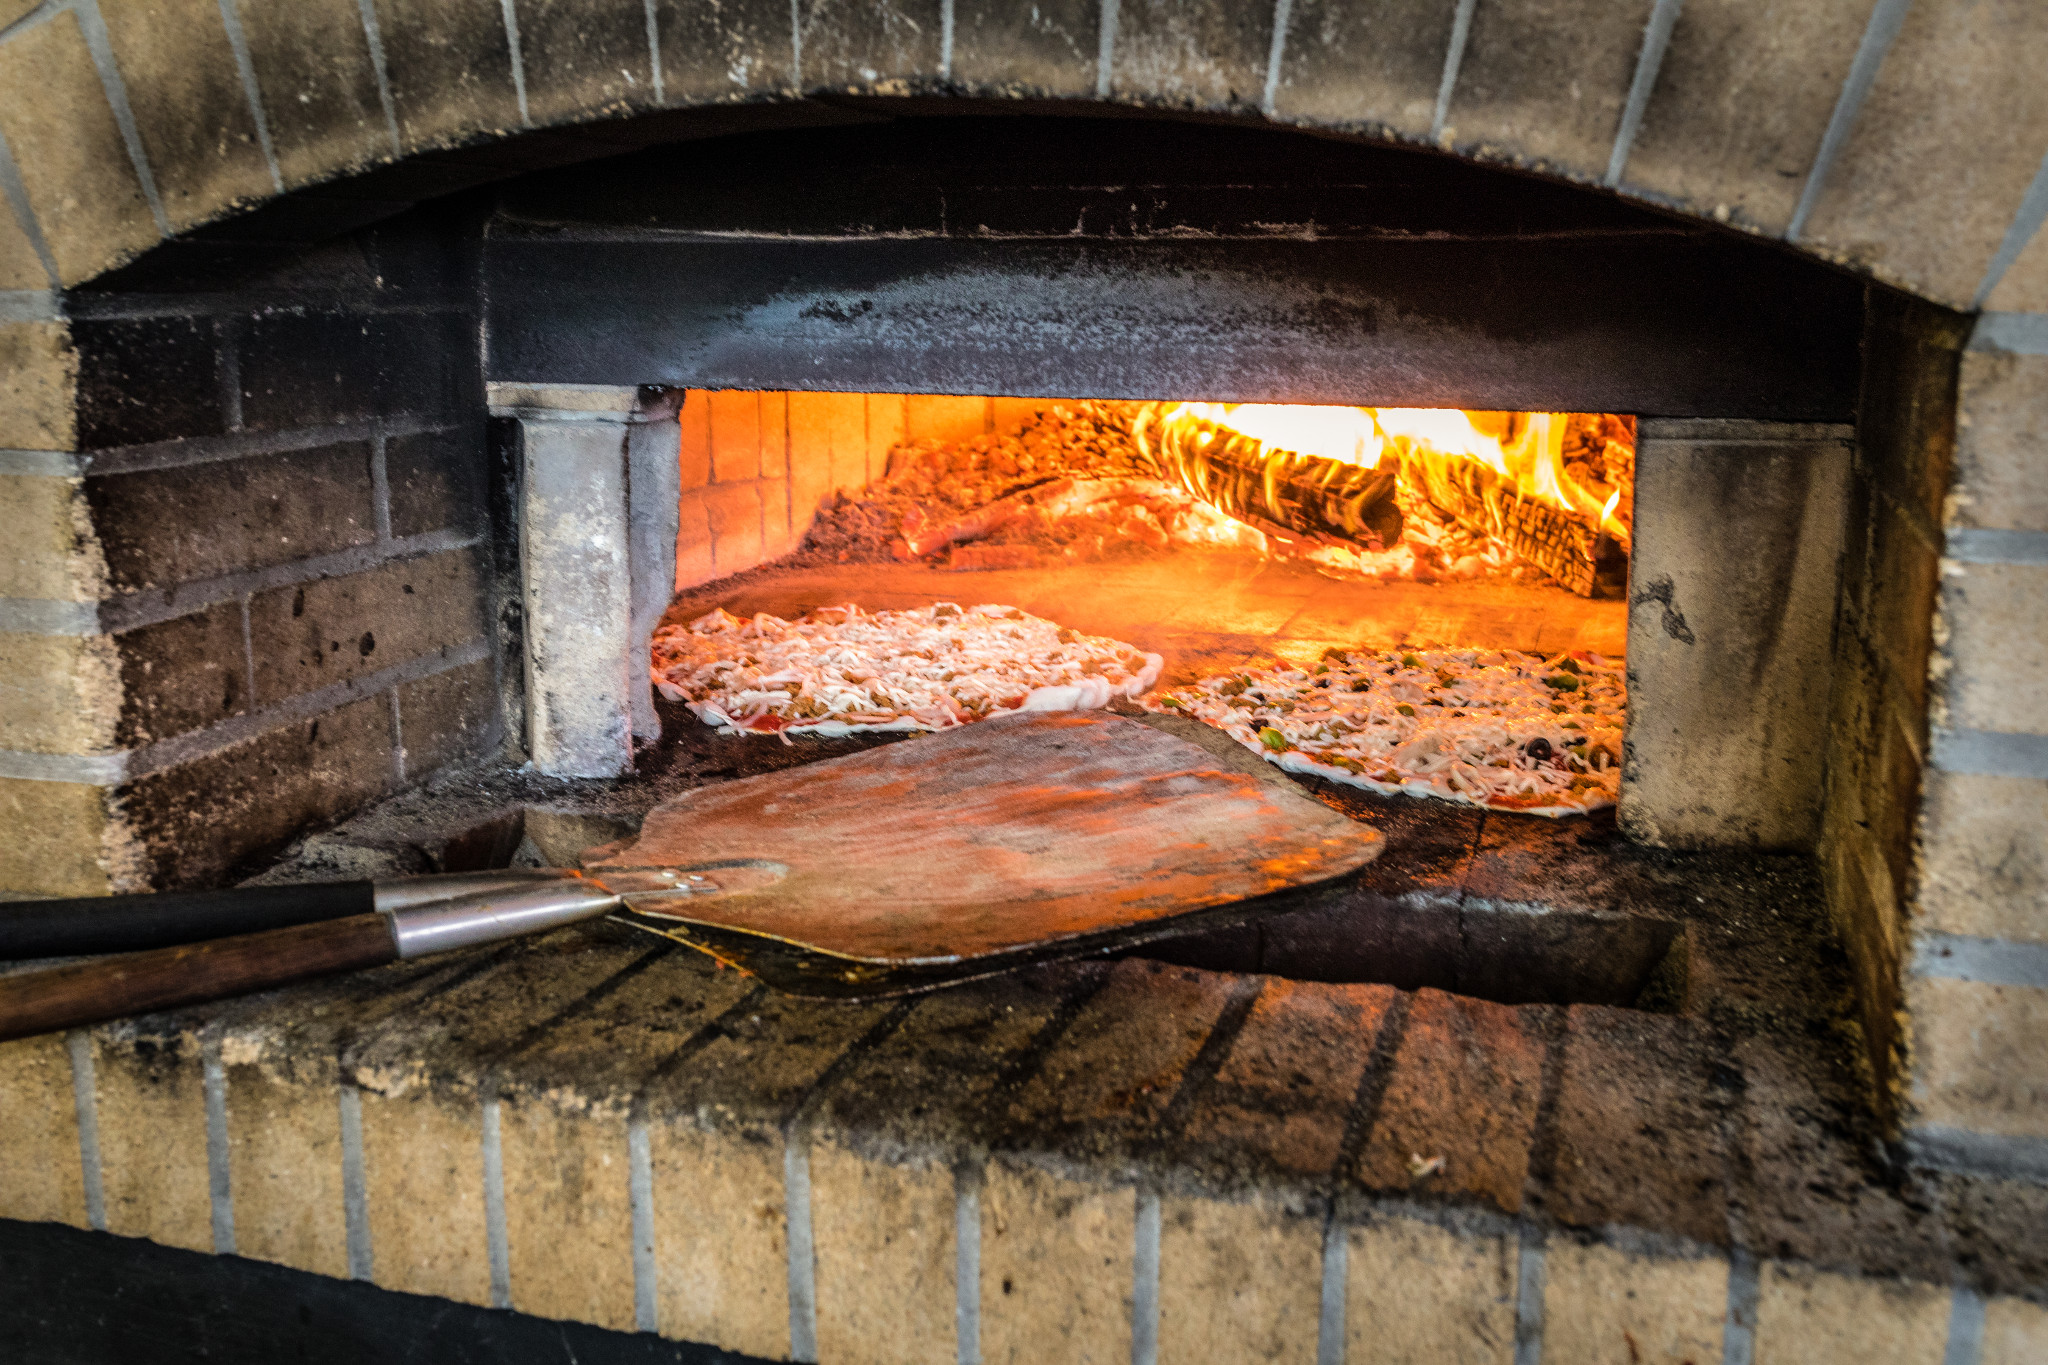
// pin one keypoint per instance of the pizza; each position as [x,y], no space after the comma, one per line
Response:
[840,671]
[1496,728]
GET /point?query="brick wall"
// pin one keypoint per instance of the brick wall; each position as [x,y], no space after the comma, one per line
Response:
[250,587]
[756,465]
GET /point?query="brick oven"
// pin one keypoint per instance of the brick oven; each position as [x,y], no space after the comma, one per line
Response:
[374,381]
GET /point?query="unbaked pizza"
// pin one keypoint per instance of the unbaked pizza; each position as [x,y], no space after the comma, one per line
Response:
[1496,728]
[840,671]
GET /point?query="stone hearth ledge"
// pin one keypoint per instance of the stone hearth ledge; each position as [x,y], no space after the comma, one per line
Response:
[1101,1161]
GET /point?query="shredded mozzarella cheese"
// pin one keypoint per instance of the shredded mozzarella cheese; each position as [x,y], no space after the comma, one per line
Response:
[1495,728]
[839,670]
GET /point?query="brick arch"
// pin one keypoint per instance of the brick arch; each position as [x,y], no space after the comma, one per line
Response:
[1855,133]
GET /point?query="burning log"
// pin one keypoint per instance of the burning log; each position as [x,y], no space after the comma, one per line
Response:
[1581,557]
[1282,491]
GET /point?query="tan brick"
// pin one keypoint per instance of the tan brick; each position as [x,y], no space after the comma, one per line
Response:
[1056,1269]
[944,417]
[568,1214]
[1977,1057]
[423,1181]
[1985,870]
[1605,1307]
[59,694]
[38,385]
[2015,1333]
[721,52]
[827,451]
[2024,286]
[1544,81]
[2001,442]
[58,838]
[1285,1090]
[1418,1294]
[1996,653]
[1015,49]
[777,531]
[20,266]
[1464,1088]
[40,1177]
[1920,193]
[734,513]
[694,559]
[721,1239]
[1742,97]
[190,108]
[1237,1282]
[152,1127]
[1810,1317]
[885,429]
[284,1171]
[51,549]
[736,432]
[450,70]
[80,182]
[583,59]
[884,1237]
[1376,67]
[693,451]
[312,63]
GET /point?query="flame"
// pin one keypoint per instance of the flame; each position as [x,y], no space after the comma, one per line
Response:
[1523,450]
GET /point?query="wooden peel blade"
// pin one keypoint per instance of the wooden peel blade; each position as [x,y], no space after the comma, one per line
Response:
[980,849]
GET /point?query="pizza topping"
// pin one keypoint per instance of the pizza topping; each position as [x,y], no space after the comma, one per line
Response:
[1477,726]
[839,670]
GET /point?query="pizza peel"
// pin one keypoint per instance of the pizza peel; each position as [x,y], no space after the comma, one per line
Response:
[975,850]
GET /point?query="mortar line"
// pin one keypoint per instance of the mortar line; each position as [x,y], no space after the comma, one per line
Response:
[1738,1331]
[803,1261]
[1965,1327]
[1145,1280]
[946,40]
[37,14]
[374,37]
[2026,224]
[654,54]
[252,89]
[1887,17]
[248,648]
[85,1105]
[16,192]
[1372,1085]
[213,1081]
[380,488]
[1209,1058]
[1454,57]
[967,1184]
[1105,47]
[397,739]
[355,1192]
[640,1191]
[1276,52]
[1656,38]
[1336,1266]
[94,28]
[519,60]
[243,445]
[1529,1286]
[1028,1058]
[31,305]
[497,1247]
[796,43]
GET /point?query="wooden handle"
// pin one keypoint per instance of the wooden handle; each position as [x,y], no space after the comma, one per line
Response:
[138,983]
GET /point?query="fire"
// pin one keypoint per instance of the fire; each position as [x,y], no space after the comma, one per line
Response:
[1524,480]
